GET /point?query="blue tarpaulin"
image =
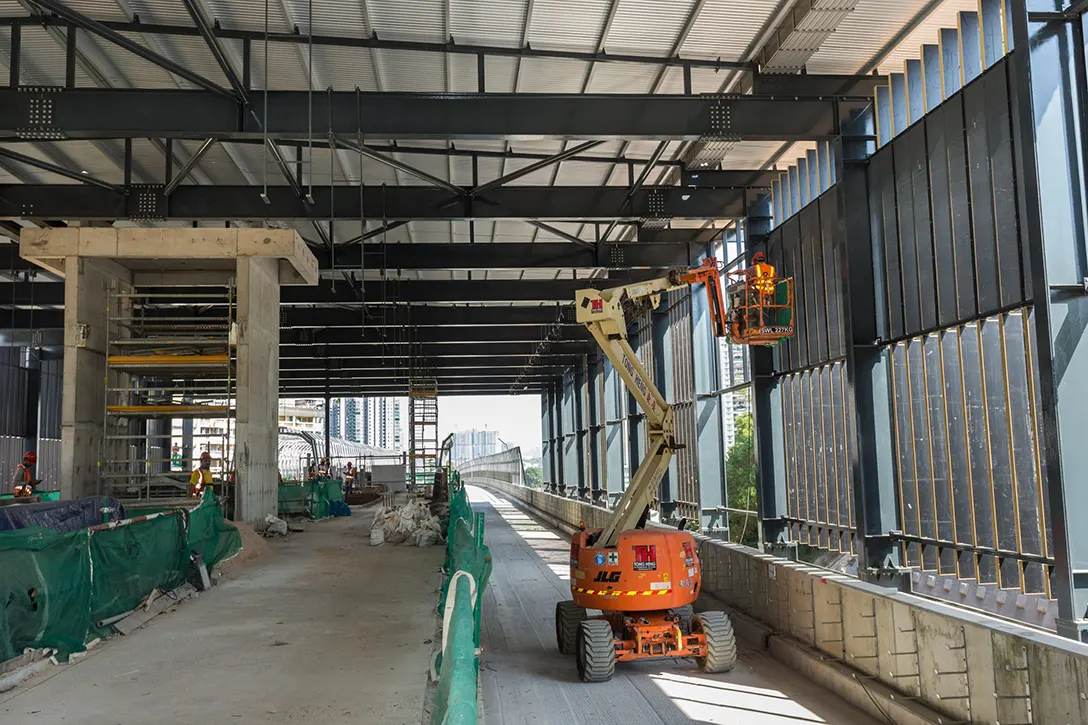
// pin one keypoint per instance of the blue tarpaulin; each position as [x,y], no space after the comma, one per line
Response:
[61,516]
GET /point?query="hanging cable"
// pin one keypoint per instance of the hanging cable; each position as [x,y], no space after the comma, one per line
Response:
[362,205]
[384,273]
[310,97]
[264,122]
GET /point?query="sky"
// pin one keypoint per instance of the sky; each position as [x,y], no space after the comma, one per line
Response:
[516,418]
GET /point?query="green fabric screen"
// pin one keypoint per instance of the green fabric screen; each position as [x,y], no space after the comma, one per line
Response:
[54,587]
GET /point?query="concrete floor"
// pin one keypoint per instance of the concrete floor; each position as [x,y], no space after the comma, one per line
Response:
[327,630]
[525,679]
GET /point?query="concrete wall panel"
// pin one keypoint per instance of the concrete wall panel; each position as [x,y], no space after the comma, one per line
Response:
[933,662]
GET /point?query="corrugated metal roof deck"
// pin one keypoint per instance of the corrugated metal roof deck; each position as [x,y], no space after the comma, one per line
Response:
[726,29]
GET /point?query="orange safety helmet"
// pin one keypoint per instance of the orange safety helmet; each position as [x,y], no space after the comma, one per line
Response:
[30,457]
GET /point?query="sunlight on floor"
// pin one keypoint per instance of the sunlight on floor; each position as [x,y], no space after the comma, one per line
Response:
[716,701]
[529,530]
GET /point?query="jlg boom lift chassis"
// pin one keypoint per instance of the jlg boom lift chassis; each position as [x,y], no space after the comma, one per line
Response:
[645,580]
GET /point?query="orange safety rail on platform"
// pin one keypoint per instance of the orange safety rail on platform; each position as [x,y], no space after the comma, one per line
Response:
[760,306]
[162,409]
[168,360]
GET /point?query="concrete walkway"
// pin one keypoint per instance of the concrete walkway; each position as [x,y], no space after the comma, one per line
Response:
[526,680]
[326,630]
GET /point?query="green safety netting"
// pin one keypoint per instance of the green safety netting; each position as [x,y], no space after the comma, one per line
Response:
[55,587]
[455,700]
[784,316]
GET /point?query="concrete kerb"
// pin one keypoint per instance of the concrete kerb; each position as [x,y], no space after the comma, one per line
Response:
[966,665]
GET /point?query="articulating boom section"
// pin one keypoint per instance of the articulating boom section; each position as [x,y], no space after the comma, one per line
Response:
[602,312]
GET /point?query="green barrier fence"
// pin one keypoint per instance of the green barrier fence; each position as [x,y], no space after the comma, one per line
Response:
[458,665]
[54,586]
[312,498]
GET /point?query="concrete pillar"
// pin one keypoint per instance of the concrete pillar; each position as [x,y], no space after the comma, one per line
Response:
[258,365]
[86,312]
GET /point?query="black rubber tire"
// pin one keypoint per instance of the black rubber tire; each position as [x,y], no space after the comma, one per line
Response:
[568,618]
[596,654]
[721,643]
[686,613]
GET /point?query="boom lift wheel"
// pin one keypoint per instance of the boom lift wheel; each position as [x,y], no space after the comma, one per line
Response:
[721,643]
[568,618]
[596,651]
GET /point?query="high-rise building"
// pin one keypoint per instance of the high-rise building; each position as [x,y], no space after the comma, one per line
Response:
[303,414]
[735,371]
[469,444]
[380,423]
[374,421]
[336,427]
[350,429]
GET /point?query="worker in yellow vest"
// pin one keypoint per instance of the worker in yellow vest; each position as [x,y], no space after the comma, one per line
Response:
[200,480]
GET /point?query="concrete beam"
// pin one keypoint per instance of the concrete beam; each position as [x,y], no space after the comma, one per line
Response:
[173,250]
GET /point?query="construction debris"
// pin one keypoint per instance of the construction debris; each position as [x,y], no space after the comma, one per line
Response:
[16,671]
[274,526]
[413,523]
[153,607]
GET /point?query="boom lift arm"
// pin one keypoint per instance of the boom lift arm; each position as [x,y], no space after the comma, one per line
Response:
[603,313]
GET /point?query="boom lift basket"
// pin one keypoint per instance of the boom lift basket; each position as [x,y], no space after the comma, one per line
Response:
[760,305]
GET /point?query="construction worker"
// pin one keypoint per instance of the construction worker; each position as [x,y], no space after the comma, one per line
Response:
[761,274]
[349,476]
[200,480]
[22,481]
[323,469]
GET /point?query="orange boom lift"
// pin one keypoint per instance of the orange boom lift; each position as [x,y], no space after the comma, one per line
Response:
[644,581]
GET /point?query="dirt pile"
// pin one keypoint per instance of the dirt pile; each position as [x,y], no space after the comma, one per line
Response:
[254,548]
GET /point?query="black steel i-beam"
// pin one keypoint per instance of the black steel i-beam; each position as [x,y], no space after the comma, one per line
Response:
[284,203]
[512,255]
[139,113]
[465,333]
[409,315]
[429,350]
[560,291]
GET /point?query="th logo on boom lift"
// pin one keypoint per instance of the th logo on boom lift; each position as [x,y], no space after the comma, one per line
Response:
[596,305]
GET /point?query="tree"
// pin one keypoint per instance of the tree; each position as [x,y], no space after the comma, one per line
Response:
[740,482]
[533,477]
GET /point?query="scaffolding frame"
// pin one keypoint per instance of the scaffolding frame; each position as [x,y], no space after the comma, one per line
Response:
[423,446]
[160,370]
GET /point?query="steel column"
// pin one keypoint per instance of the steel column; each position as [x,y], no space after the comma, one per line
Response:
[664,354]
[868,375]
[546,443]
[581,425]
[1050,93]
[612,481]
[710,451]
[594,424]
[569,418]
